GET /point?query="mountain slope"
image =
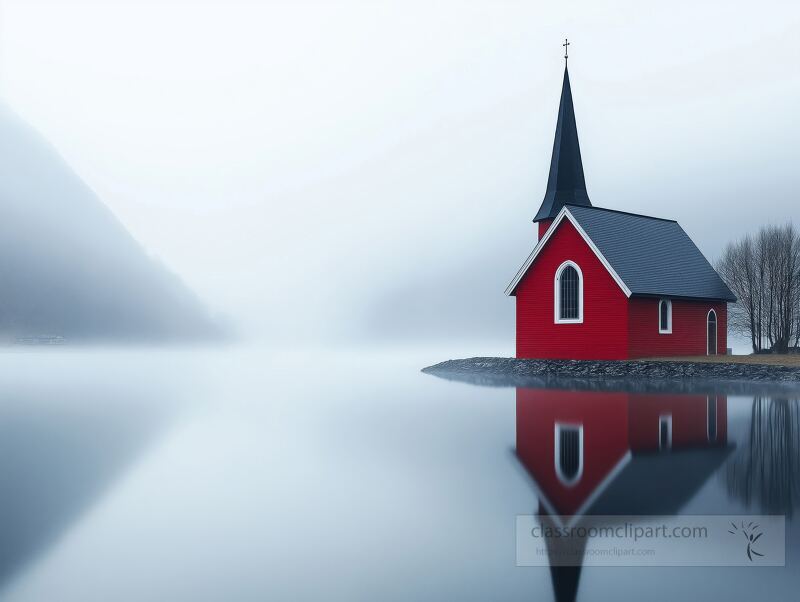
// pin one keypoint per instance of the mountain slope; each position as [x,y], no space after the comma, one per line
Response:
[68,267]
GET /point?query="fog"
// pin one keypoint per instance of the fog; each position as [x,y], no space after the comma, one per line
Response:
[68,268]
[353,171]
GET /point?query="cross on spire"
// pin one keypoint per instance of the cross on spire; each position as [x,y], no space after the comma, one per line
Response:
[566,50]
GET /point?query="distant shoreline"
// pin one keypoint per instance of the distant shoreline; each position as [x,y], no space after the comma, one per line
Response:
[629,375]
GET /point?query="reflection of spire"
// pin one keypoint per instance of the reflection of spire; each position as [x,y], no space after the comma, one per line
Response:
[565,578]
[765,470]
[565,582]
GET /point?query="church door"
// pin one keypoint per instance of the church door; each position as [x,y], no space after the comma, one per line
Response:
[712,333]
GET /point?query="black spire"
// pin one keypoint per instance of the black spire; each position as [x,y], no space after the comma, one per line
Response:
[565,184]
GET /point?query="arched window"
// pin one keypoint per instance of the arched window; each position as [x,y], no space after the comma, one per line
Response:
[569,453]
[665,316]
[711,417]
[711,337]
[569,294]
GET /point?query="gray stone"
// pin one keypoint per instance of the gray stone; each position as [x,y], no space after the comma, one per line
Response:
[634,376]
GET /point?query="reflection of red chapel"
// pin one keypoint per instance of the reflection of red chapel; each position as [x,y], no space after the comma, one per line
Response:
[588,451]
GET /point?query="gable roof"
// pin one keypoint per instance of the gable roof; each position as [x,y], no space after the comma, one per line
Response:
[684,469]
[645,255]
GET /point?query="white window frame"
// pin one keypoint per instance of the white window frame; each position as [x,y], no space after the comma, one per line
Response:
[557,296]
[559,426]
[669,316]
[716,332]
[665,418]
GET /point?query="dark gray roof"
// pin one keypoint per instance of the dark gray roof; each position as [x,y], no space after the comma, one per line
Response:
[565,183]
[652,256]
[659,484]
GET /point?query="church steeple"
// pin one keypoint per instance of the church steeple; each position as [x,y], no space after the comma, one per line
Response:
[565,184]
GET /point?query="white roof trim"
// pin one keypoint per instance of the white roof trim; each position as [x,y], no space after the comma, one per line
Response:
[565,213]
[607,480]
[588,502]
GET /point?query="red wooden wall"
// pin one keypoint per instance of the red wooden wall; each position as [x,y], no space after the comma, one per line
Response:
[689,420]
[688,335]
[604,417]
[604,331]
[543,226]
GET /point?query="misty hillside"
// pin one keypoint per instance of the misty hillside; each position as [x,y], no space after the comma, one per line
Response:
[68,267]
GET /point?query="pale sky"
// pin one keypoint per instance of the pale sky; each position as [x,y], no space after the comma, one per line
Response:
[318,168]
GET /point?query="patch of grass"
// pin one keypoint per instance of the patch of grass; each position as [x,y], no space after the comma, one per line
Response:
[771,359]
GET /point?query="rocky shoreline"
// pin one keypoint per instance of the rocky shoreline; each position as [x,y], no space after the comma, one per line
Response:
[635,375]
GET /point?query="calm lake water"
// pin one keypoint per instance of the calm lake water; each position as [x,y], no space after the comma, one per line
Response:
[241,474]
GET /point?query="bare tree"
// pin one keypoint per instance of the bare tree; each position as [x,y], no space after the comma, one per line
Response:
[738,268]
[764,273]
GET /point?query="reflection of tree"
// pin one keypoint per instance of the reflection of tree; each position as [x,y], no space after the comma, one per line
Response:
[764,472]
